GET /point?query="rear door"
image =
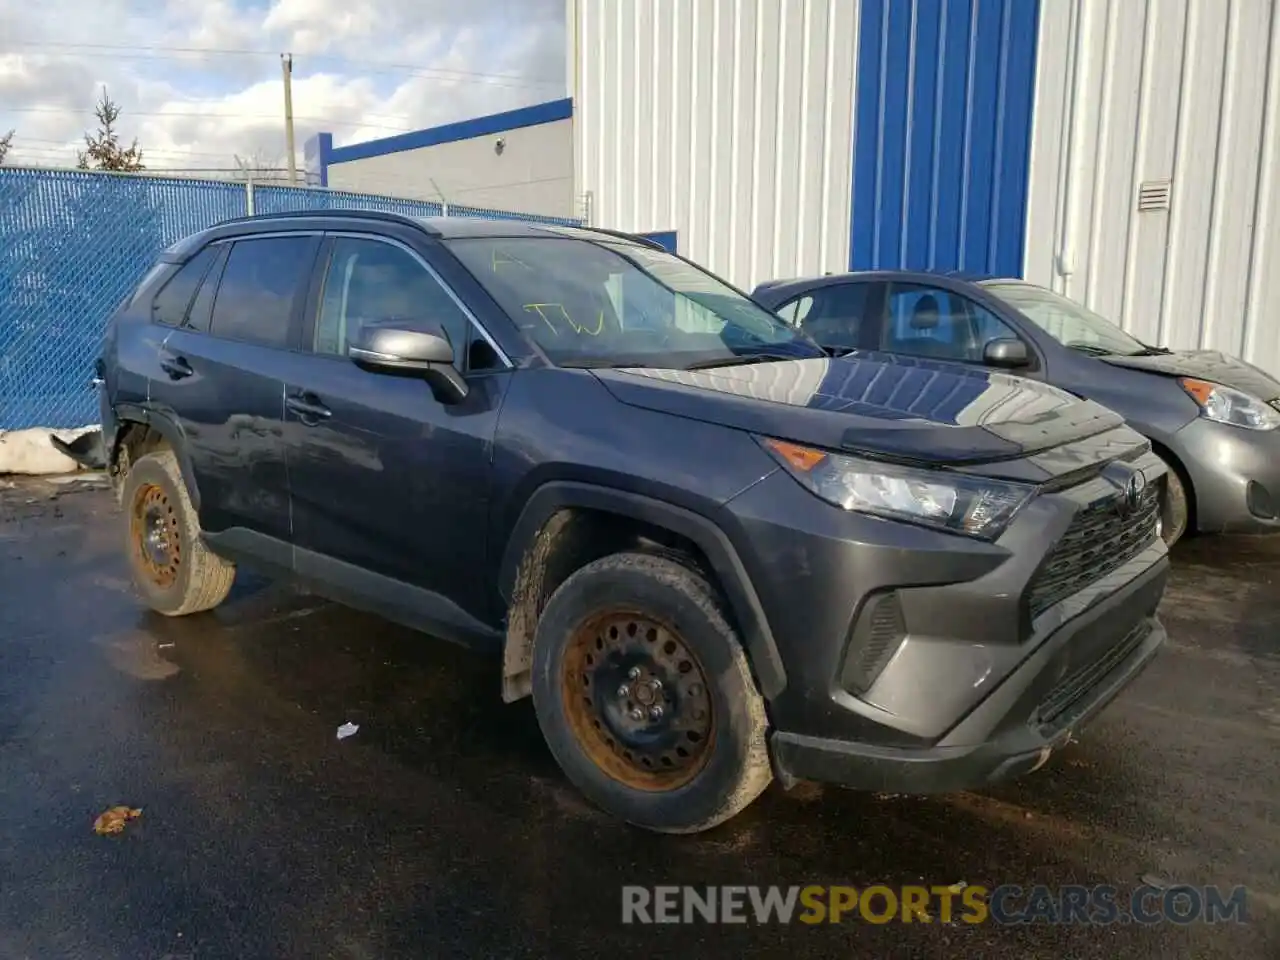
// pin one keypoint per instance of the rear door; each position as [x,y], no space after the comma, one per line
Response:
[221,384]
[385,479]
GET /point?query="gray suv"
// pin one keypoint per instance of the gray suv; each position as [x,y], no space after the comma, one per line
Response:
[712,552]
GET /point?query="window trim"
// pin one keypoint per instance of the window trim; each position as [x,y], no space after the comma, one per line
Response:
[507,363]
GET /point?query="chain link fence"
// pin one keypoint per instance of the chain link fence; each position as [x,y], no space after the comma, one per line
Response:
[74,244]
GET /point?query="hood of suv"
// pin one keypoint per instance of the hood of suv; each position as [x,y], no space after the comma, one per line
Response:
[1206,365]
[874,404]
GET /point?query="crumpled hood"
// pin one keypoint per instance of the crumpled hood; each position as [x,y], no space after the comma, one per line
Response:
[875,404]
[1206,365]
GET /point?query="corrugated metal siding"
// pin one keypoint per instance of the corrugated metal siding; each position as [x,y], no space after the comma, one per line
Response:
[943,134]
[1132,93]
[728,121]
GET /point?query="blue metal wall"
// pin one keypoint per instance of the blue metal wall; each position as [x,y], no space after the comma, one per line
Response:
[942,134]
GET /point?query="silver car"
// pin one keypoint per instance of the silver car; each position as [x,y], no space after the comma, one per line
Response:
[1213,418]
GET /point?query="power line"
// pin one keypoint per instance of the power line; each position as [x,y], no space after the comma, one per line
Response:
[77,111]
[158,52]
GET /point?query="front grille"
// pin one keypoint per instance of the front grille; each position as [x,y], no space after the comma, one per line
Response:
[1079,682]
[1098,541]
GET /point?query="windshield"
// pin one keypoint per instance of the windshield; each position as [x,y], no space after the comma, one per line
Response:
[1068,322]
[601,302]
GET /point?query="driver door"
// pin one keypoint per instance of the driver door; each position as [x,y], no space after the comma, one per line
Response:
[385,479]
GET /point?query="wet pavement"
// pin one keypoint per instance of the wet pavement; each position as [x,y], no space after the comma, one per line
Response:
[444,828]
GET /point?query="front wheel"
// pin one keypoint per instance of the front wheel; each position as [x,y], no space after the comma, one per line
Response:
[644,696]
[1174,512]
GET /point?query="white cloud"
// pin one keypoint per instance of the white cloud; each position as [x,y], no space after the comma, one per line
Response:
[360,71]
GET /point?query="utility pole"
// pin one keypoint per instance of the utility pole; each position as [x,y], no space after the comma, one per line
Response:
[286,67]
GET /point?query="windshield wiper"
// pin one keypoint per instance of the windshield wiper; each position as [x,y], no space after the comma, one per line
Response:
[742,360]
[1090,348]
[1152,352]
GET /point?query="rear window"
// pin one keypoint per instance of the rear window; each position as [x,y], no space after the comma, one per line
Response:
[171,302]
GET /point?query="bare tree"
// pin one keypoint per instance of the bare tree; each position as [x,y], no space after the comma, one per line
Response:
[5,143]
[103,151]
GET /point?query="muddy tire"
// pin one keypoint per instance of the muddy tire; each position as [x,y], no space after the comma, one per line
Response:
[171,566]
[1174,510]
[644,695]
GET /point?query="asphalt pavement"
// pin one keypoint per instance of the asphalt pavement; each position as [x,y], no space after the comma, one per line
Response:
[443,828]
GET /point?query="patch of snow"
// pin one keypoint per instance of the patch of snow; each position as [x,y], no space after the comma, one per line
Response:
[29,451]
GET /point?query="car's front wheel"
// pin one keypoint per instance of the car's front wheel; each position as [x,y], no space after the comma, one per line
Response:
[1174,511]
[644,695]
[171,566]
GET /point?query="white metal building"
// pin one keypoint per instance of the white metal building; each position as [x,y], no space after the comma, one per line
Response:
[521,160]
[1125,152]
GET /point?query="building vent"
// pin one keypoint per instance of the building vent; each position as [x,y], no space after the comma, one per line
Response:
[1154,195]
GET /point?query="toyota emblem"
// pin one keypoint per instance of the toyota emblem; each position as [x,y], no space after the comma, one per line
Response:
[1132,493]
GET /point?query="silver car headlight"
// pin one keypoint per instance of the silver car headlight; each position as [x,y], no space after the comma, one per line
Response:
[1226,405]
[974,506]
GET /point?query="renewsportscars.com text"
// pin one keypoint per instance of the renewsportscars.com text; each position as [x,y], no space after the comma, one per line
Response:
[1005,904]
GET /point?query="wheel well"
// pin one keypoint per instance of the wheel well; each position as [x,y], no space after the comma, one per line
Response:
[572,538]
[133,440]
[1175,465]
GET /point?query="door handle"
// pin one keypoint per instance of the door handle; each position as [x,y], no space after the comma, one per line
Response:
[176,367]
[308,407]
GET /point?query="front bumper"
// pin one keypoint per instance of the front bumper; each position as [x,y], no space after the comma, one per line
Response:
[1235,476]
[1036,710]
[918,660]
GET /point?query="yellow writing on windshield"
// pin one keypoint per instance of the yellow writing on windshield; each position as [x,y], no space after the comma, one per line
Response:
[499,259]
[549,310]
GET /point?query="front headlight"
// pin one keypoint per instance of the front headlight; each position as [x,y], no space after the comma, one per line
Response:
[1226,405]
[975,506]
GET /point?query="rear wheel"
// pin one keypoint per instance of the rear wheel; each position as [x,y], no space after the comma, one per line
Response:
[1174,511]
[644,695]
[172,568]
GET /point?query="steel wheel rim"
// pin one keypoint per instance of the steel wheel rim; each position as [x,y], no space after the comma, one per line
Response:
[637,700]
[154,535]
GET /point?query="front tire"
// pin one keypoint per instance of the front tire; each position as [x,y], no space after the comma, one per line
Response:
[171,566]
[1174,509]
[644,695]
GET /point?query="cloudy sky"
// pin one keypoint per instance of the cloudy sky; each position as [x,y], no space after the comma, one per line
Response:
[198,81]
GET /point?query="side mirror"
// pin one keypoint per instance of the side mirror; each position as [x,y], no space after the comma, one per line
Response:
[406,351]
[1007,352]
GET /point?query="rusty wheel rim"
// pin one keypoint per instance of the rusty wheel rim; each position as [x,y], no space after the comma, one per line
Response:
[637,700]
[153,532]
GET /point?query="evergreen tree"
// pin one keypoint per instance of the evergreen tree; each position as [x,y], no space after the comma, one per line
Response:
[104,152]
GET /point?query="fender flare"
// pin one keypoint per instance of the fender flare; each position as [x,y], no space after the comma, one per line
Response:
[171,431]
[554,496]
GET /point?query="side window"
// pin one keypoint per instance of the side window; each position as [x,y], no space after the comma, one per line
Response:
[925,321]
[796,311]
[255,298]
[371,282]
[201,312]
[171,301]
[834,314]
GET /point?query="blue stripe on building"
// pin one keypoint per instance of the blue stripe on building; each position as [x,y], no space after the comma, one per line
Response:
[942,134]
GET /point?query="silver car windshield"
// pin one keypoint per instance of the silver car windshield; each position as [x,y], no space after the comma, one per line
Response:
[1071,324]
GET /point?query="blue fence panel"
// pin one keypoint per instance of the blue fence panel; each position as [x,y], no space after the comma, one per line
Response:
[74,244]
[267,200]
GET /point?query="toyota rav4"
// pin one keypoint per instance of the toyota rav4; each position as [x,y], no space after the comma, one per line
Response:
[713,553]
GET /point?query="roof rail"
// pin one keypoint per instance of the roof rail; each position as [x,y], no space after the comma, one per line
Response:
[624,235]
[339,213]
